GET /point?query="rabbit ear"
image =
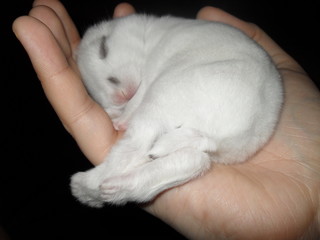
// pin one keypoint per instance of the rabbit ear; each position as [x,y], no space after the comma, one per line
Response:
[103,49]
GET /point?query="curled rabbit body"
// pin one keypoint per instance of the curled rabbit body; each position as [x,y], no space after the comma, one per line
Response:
[188,93]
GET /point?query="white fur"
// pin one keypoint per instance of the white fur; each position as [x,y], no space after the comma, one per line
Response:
[191,93]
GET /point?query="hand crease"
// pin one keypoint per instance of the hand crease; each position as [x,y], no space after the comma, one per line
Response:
[87,106]
[56,74]
[293,70]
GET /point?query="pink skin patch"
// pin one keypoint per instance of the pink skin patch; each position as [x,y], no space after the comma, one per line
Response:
[120,126]
[121,97]
[124,95]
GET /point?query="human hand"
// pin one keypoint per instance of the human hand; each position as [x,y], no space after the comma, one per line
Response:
[273,195]
[50,39]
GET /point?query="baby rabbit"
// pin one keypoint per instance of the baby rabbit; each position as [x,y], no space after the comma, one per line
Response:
[188,93]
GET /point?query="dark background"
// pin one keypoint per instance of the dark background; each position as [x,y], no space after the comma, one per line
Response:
[37,154]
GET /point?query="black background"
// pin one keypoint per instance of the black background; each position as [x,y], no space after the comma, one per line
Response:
[37,154]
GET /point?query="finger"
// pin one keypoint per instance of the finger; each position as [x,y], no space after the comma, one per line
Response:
[69,26]
[52,21]
[253,31]
[216,14]
[83,118]
[123,9]
[280,57]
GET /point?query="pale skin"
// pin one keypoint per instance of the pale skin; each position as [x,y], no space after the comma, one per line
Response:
[274,195]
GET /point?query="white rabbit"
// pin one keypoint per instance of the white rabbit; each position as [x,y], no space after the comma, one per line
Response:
[188,92]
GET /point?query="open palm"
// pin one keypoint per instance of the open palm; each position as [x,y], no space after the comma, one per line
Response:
[274,195]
